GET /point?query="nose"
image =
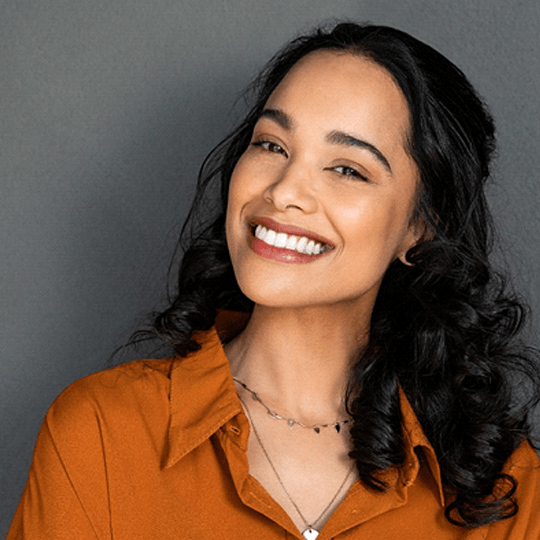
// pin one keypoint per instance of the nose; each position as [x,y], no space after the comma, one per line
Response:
[293,189]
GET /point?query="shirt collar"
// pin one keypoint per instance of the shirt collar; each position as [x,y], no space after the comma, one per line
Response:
[414,440]
[203,398]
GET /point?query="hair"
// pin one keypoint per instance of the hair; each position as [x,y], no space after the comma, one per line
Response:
[443,329]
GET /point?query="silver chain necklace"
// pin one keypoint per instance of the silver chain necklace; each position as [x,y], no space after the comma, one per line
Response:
[290,421]
[310,532]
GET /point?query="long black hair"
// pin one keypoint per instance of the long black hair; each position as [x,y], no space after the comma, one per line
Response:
[443,329]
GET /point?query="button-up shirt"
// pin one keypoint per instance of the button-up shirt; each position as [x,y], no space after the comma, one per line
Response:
[156,449]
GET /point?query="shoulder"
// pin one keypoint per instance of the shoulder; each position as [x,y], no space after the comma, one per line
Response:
[136,388]
[524,458]
[524,467]
[524,464]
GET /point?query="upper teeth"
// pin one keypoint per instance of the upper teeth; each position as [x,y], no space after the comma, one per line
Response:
[301,244]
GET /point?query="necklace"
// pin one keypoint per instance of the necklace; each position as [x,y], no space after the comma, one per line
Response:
[310,532]
[290,421]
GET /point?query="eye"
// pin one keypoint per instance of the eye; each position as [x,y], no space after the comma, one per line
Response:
[269,147]
[344,170]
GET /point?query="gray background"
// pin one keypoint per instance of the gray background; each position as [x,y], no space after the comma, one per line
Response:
[108,108]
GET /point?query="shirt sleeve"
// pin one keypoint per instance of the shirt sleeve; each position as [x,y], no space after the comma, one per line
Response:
[65,496]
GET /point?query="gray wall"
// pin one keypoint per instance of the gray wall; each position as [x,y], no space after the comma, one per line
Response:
[108,107]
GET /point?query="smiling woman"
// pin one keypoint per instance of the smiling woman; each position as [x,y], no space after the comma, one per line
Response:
[345,357]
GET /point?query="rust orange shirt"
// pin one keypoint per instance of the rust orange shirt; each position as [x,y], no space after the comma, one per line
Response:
[157,450]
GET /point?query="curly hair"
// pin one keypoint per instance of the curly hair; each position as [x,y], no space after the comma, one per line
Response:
[444,329]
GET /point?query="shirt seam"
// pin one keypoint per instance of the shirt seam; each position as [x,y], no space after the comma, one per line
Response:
[59,455]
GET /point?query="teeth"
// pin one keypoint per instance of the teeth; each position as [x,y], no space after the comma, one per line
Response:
[291,242]
[271,237]
[294,243]
[302,243]
[281,240]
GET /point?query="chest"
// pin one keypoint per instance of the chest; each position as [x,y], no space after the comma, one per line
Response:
[308,473]
[220,489]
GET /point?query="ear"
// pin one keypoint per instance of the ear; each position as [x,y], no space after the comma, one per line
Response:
[403,258]
[418,232]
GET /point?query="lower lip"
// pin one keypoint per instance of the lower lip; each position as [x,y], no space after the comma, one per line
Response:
[282,255]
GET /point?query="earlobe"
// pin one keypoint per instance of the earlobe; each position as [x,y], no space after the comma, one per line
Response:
[413,237]
[420,232]
[403,258]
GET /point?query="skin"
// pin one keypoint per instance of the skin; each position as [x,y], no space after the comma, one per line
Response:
[311,319]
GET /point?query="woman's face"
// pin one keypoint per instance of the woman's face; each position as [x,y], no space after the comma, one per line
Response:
[326,172]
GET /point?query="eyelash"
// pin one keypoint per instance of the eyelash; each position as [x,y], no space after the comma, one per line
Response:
[348,172]
[351,173]
[265,145]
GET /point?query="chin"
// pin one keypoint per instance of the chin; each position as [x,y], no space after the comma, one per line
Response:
[268,295]
[283,295]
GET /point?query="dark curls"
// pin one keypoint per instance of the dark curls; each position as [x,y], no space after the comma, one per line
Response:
[444,329]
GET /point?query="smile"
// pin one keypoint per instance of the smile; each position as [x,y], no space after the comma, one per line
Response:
[301,244]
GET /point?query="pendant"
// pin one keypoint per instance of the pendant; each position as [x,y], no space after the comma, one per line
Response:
[310,534]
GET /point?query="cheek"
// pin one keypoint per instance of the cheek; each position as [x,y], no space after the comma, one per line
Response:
[379,225]
[238,189]
[239,197]
[240,186]
[231,217]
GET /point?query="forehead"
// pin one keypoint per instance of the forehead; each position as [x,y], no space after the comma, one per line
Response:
[343,88]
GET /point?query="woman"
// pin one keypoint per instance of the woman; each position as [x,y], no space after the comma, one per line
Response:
[364,386]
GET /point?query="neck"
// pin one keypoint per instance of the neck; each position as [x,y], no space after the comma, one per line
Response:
[299,360]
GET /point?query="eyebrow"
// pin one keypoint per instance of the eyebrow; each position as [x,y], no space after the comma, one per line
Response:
[334,137]
[344,139]
[281,118]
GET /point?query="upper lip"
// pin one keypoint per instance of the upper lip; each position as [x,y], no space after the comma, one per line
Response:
[269,223]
